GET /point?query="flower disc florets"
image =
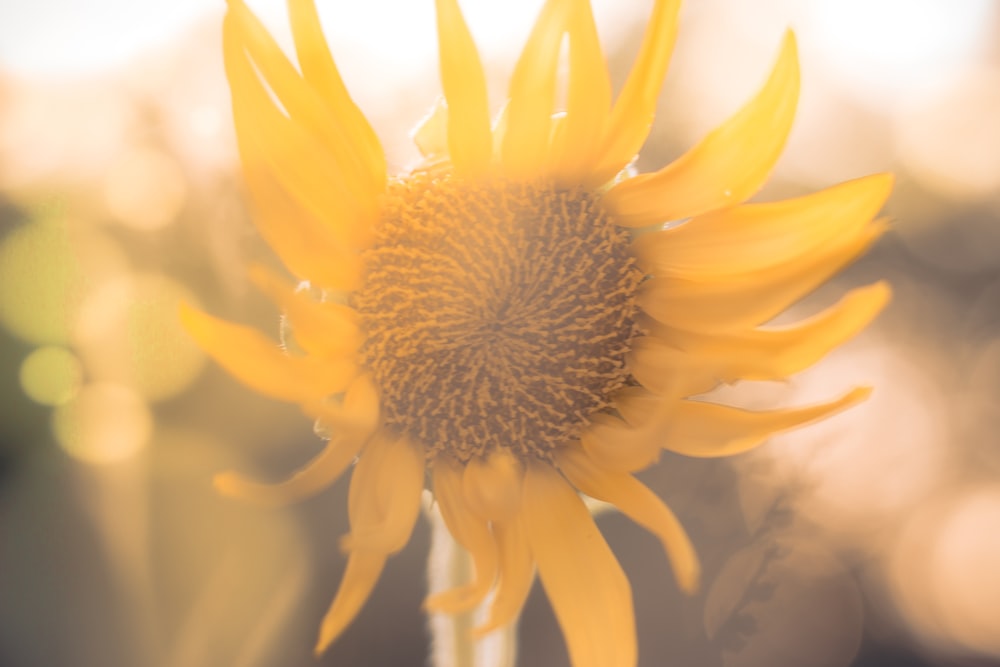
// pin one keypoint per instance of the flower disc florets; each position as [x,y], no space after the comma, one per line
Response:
[496,314]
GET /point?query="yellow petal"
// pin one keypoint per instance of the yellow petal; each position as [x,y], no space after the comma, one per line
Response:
[727,167]
[383,508]
[532,94]
[740,302]
[431,133]
[305,245]
[357,412]
[499,133]
[304,105]
[616,445]
[323,329]
[321,73]
[469,530]
[637,502]
[317,475]
[517,573]
[492,485]
[755,236]
[303,167]
[360,577]
[589,593]
[668,371]
[771,354]
[253,359]
[470,141]
[635,404]
[710,430]
[588,100]
[635,107]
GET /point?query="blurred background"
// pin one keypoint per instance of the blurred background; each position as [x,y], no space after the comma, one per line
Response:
[869,540]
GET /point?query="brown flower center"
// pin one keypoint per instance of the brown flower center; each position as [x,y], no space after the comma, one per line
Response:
[496,314]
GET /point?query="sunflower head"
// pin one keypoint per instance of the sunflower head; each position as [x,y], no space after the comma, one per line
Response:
[497,313]
[492,318]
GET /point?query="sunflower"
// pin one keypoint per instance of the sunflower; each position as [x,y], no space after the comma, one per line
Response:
[512,322]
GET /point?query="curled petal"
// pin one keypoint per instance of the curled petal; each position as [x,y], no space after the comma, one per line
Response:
[492,485]
[637,502]
[357,412]
[253,359]
[384,498]
[727,167]
[707,430]
[320,473]
[589,593]
[517,572]
[360,577]
[469,530]
[323,329]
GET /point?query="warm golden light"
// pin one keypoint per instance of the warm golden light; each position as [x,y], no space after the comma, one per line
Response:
[122,194]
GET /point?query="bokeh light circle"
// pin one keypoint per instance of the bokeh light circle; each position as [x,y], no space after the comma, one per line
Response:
[942,572]
[39,278]
[145,189]
[966,575]
[51,375]
[951,142]
[105,423]
[128,331]
[46,269]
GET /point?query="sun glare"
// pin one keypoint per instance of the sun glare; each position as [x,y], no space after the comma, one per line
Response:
[882,49]
[66,38]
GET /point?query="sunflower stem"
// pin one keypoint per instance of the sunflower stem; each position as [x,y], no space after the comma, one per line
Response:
[452,642]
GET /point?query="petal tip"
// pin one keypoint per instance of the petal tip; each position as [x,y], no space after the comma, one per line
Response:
[857,395]
[232,485]
[189,316]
